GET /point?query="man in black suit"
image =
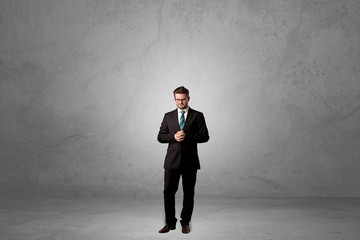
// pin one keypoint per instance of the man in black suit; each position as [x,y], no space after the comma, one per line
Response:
[182,129]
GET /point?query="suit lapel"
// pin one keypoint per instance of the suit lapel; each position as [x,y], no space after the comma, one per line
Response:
[188,118]
[176,119]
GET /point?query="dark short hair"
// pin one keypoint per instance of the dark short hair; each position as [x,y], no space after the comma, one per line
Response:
[181,90]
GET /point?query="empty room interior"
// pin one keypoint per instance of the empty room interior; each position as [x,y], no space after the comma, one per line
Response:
[85,84]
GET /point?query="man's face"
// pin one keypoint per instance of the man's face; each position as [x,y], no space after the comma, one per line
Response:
[181,100]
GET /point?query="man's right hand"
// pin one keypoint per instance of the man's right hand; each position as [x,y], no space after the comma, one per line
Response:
[179,136]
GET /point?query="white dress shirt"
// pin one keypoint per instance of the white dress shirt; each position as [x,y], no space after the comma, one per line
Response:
[185,113]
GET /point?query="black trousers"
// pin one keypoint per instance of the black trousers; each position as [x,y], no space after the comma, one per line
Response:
[171,184]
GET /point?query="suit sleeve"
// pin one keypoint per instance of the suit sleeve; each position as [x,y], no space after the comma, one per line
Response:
[164,136]
[202,134]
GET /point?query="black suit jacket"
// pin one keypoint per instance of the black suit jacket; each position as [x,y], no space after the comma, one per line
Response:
[183,153]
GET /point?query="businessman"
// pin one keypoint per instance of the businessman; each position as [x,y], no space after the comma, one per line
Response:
[182,129]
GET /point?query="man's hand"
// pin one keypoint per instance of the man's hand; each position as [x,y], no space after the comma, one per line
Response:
[180,136]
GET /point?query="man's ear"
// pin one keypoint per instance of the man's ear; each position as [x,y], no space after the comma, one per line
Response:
[188,98]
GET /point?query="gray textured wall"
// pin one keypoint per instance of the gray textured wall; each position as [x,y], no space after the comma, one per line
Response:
[85,84]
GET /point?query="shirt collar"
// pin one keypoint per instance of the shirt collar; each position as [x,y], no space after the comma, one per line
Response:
[186,110]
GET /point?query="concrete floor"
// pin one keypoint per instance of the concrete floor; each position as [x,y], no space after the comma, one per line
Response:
[214,218]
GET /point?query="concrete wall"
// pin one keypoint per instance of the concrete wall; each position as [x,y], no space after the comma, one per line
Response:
[84,85]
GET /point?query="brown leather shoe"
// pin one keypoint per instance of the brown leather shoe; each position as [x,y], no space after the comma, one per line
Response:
[185,229]
[166,229]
